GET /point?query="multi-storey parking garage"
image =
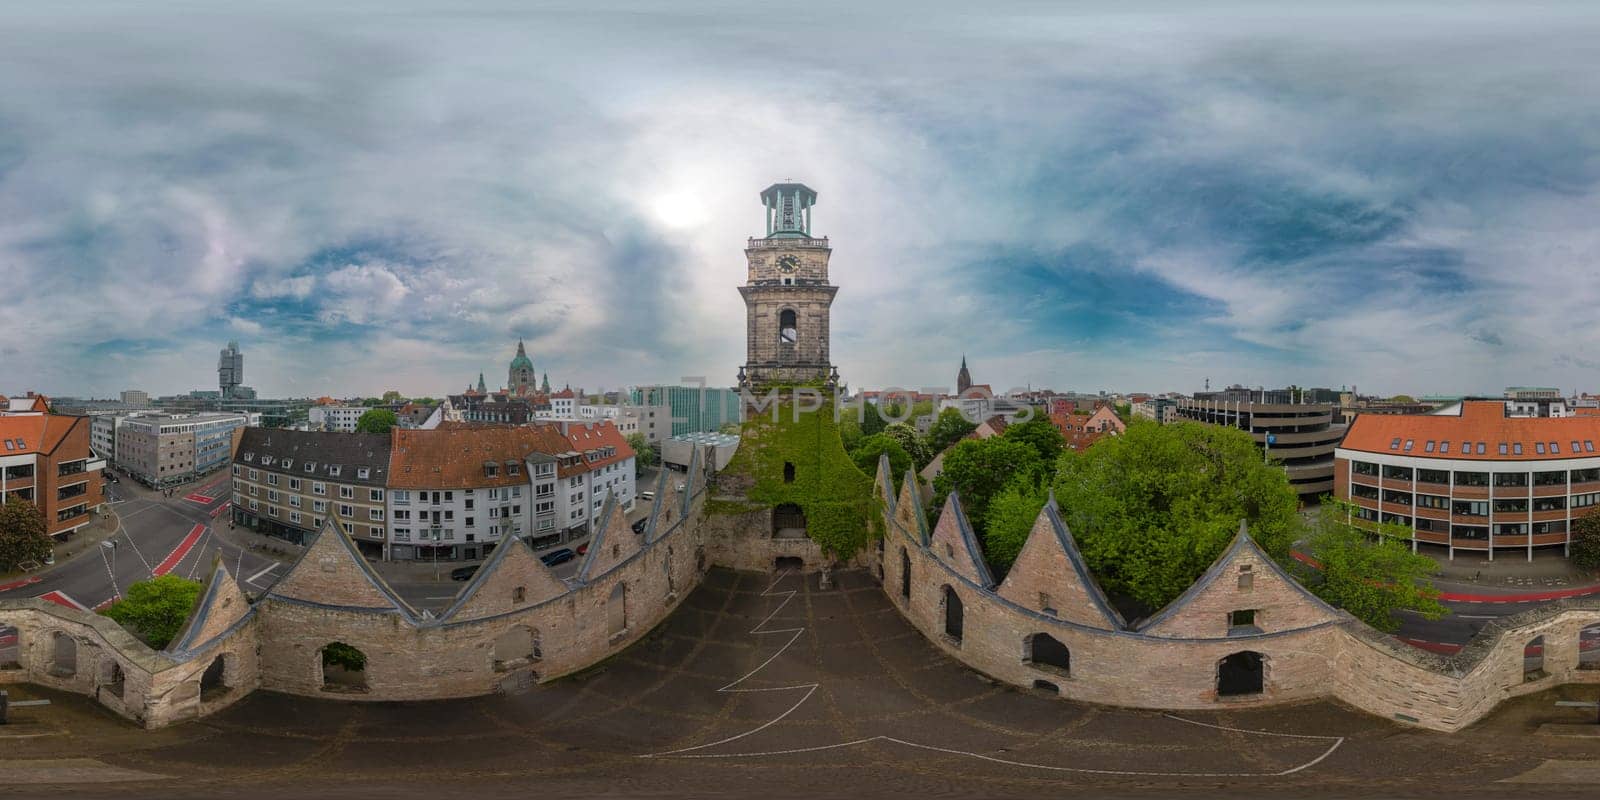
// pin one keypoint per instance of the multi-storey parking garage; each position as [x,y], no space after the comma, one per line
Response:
[1300,436]
[1475,479]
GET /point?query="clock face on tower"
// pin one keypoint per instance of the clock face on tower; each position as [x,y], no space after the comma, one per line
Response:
[788,264]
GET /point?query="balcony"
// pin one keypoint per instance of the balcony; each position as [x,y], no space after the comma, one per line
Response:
[1470,493]
[773,244]
[1585,488]
[1512,540]
[1433,537]
[1433,488]
[1395,508]
[1363,480]
[1549,538]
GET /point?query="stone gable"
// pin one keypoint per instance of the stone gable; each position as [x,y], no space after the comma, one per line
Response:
[1049,576]
[220,607]
[908,513]
[1243,579]
[954,543]
[511,579]
[613,544]
[331,572]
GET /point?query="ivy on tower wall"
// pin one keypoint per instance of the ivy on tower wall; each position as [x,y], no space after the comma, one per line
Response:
[834,493]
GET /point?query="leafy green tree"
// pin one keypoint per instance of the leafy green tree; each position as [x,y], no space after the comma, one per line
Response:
[1040,434]
[23,534]
[1403,398]
[1012,513]
[155,610]
[979,469]
[392,396]
[339,654]
[1154,507]
[1124,412]
[369,402]
[877,418]
[378,420]
[866,455]
[1586,540]
[850,434]
[643,455]
[947,429]
[1369,577]
[909,439]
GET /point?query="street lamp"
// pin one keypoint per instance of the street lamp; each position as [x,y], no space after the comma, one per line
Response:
[437,534]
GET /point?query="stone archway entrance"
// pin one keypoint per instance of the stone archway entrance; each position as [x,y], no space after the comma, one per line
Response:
[788,522]
[344,668]
[1242,673]
[214,681]
[789,564]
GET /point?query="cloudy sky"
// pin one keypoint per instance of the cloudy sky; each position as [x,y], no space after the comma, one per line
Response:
[1403,198]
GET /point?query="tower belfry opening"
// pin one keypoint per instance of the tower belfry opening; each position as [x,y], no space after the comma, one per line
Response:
[787,296]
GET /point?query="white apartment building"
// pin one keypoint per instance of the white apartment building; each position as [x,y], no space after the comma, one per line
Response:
[341,419]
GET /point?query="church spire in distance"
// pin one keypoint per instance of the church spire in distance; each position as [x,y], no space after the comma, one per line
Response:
[963,378]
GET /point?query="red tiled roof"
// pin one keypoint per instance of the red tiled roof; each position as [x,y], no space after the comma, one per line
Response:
[586,437]
[1480,421]
[453,455]
[39,433]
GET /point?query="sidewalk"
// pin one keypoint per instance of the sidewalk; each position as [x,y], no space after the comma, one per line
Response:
[1506,580]
[87,538]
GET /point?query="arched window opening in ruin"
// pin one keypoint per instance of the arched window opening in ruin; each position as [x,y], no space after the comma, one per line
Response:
[953,614]
[519,594]
[1243,673]
[788,521]
[788,472]
[1588,648]
[666,566]
[905,574]
[1533,659]
[344,668]
[789,564]
[516,648]
[617,609]
[788,329]
[699,559]
[111,679]
[63,655]
[1043,651]
[214,681]
[1046,686]
[10,647]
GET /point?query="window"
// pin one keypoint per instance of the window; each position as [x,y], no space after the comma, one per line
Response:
[319,506]
[333,470]
[294,500]
[319,488]
[363,472]
[1516,448]
[1472,479]
[1433,476]
[1428,446]
[1395,444]
[1433,501]
[311,466]
[470,523]
[375,514]
[1555,448]
[1245,618]
[1409,443]
[400,496]
[1444,447]
[1503,448]
[347,492]
[375,495]
[1538,447]
[255,475]
[1588,446]
[1470,508]
[1480,448]
[294,484]
[1550,478]
[1364,468]
[1247,577]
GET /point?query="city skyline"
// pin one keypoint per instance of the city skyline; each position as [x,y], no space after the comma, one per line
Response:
[1082,201]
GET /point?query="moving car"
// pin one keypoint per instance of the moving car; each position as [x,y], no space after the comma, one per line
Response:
[555,557]
[463,573]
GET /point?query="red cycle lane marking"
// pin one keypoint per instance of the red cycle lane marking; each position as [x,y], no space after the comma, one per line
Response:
[170,563]
[199,498]
[60,598]
[214,514]
[28,581]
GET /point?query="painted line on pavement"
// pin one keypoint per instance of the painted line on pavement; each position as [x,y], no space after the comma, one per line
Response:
[170,563]
[200,555]
[61,598]
[18,584]
[256,577]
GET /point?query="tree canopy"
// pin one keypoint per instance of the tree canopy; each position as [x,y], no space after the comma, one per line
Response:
[643,455]
[1369,577]
[947,429]
[912,442]
[980,468]
[1153,508]
[155,610]
[23,535]
[866,455]
[1040,434]
[378,420]
[1012,513]
[1586,540]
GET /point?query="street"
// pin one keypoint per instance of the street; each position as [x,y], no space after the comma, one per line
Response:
[157,536]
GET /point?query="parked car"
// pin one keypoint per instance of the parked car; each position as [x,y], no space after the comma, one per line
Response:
[638,526]
[555,557]
[463,573]
[647,495]
[583,549]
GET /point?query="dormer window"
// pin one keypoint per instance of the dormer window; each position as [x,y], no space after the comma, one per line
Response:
[363,472]
[490,469]
[333,469]
[311,466]
[288,463]
[249,456]
[513,468]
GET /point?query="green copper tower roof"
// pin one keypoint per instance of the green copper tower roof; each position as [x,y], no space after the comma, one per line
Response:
[788,210]
[522,361]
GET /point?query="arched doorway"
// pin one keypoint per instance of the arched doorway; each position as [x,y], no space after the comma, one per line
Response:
[1533,659]
[63,655]
[515,648]
[1589,647]
[111,677]
[789,564]
[905,574]
[10,647]
[344,668]
[788,521]
[953,614]
[1242,673]
[1043,651]
[214,681]
[617,609]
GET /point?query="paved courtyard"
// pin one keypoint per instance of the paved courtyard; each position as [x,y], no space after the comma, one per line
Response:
[766,686]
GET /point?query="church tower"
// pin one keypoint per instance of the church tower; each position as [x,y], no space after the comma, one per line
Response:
[519,378]
[963,378]
[787,296]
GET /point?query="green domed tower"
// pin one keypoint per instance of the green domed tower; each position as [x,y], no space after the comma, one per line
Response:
[520,377]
